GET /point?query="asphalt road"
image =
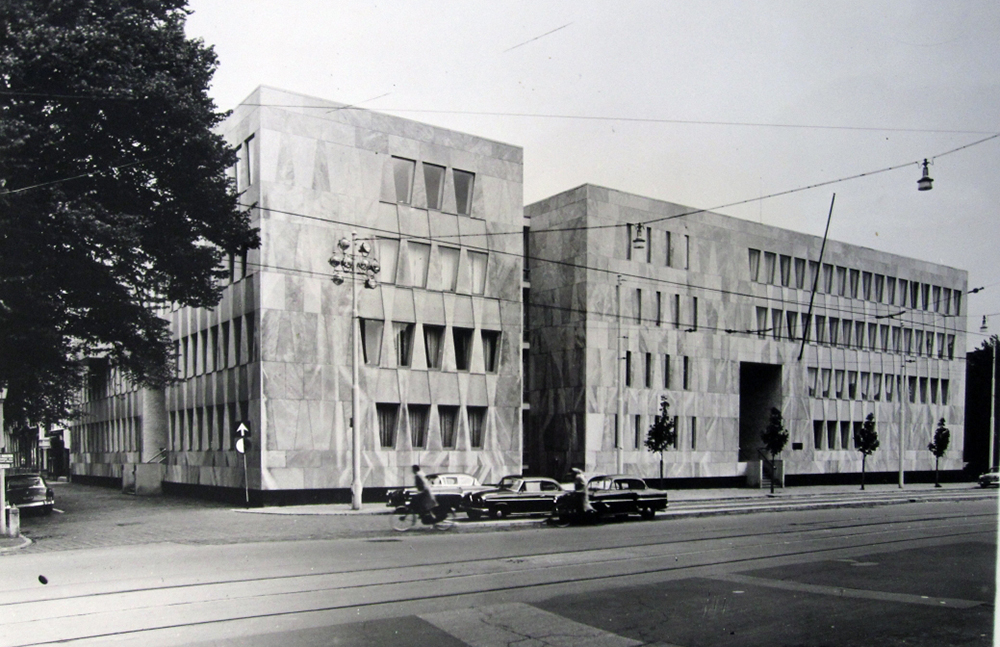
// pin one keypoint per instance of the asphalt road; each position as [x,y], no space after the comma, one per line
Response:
[913,573]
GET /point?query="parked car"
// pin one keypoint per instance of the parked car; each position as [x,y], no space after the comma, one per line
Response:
[449,488]
[991,478]
[29,492]
[613,495]
[514,495]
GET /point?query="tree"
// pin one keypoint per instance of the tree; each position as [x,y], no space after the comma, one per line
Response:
[114,195]
[942,438]
[662,434]
[866,442]
[775,437]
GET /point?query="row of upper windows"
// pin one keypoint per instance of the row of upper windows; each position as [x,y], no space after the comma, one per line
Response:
[227,345]
[116,435]
[409,263]
[661,249]
[463,183]
[666,372]
[833,434]
[854,334]
[434,345]
[206,428]
[686,428]
[841,281]
[103,382]
[677,317]
[841,384]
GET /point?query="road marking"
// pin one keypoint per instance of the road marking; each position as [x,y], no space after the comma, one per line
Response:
[58,510]
[842,592]
[517,623]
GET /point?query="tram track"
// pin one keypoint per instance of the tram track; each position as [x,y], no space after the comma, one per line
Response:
[96,615]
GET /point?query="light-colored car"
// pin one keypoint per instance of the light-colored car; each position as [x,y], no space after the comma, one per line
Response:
[448,488]
[991,478]
[29,492]
[514,495]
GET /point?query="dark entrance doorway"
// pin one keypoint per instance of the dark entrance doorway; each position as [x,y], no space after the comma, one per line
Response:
[760,391]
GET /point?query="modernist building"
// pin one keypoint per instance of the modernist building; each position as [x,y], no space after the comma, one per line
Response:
[710,312]
[439,318]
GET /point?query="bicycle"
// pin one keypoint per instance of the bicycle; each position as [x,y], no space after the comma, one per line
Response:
[405,517]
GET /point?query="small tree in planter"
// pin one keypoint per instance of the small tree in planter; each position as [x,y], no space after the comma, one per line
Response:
[942,438]
[866,442]
[662,434]
[775,437]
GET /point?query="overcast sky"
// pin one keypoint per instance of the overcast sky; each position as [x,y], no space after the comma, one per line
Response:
[702,103]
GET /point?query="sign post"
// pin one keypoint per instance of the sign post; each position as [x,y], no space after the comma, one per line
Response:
[242,446]
[6,460]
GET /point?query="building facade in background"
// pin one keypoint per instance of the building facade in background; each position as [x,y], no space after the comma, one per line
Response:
[439,326]
[709,312]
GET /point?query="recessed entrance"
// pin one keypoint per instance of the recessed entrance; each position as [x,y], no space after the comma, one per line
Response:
[760,391]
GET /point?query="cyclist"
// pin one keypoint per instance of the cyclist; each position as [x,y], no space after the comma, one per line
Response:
[424,501]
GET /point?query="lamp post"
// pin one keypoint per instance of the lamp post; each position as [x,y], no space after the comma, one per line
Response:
[993,392]
[619,467]
[352,260]
[3,471]
[902,417]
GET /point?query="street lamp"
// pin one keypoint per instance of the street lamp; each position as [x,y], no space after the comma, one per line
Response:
[352,260]
[619,417]
[993,391]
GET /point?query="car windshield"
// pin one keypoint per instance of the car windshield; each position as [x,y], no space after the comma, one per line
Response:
[23,481]
[509,483]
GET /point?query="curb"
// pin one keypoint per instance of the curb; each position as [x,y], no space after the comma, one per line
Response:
[25,541]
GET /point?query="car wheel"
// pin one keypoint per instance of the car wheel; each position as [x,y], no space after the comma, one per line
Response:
[647,513]
[498,512]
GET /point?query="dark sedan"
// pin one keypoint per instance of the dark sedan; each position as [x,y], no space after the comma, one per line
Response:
[618,495]
[29,492]
[514,495]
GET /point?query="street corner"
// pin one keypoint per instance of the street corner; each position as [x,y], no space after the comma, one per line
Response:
[12,544]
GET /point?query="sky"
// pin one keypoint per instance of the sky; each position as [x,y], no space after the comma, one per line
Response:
[704,104]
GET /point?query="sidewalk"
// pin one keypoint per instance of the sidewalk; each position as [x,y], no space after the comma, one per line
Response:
[683,496]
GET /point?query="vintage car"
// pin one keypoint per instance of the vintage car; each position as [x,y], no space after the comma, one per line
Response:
[514,495]
[449,488]
[991,478]
[613,495]
[29,492]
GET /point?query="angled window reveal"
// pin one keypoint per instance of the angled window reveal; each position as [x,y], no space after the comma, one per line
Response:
[433,338]
[477,426]
[448,263]
[463,347]
[448,417]
[402,176]
[491,350]
[387,420]
[434,184]
[371,340]
[478,261]
[403,338]
[419,414]
[464,184]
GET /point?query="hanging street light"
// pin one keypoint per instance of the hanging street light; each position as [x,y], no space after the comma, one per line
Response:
[352,261]
[926,182]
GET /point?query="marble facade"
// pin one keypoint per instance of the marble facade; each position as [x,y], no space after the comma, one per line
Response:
[724,346]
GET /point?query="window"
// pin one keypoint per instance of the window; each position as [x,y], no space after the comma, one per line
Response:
[879,287]
[834,331]
[628,368]
[687,252]
[637,432]
[940,345]
[841,281]
[687,372]
[923,390]
[951,346]
[694,313]
[478,262]
[908,340]
[659,308]
[918,338]
[463,347]
[934,390]
[958,302]
[925,294]
[419,256]
[769,261]
[677,311]
[785,267]
[434,183]
[876,386]
[649,244]
[761,321]
[637,310]
[800,273]
[838,377]
[491,349]
[859,334]
[827,278]
[820,330]
[896,340]
[912,389]
[418,415]
[811,374]
[666,371]
[649,371]
[914,294]
[884,337]
[890,290]
[813,275]
[433,335]
[464,182]
[694,432]
[448,261]
[945,384]
[852,385]
[901,297]
[402,176]
[371,340]
[845,435]
[792,320]
[668,251]
[388,253]
[628,241]
[872,336]
[865,381]
[387,414]
[825,374]
[946,301]
[403,338]
[866,286]
[888,388]
[776,324]
[477,426]
[448,416]
[847,330]
[817,434]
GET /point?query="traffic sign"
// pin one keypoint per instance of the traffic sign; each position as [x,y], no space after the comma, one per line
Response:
[6,460]
[242,434]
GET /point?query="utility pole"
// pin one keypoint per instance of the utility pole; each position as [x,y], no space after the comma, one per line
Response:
[993,393]
[619,466]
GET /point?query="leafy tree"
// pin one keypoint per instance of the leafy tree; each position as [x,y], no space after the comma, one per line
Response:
[866,442]
[114,194]
[662,434]
[775,437]
[942,438]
